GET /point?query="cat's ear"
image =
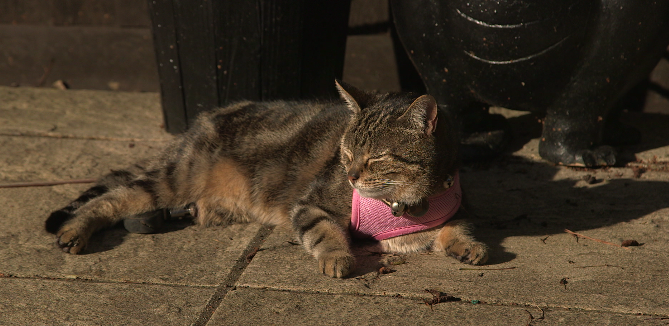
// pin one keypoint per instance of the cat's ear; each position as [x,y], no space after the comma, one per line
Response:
[423,114]
[355,99]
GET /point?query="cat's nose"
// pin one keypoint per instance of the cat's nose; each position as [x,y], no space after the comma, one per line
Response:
[353,175]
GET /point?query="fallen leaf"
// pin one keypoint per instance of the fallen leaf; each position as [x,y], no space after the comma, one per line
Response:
[630,243]
[252,254]
[589,179]
[395,260]
[638,171]
[61,85]
[385,270]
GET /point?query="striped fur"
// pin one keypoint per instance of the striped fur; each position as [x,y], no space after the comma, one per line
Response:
[290,163]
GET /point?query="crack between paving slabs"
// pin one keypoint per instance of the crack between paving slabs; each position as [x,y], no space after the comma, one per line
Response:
[420,300]
[235,273]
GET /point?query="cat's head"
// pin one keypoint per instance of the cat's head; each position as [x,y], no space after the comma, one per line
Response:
[389,149]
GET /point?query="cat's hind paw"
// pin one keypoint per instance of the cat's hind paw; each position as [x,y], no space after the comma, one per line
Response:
[336,263]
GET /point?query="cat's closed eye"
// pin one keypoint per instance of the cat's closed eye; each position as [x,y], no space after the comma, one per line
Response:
[378,158]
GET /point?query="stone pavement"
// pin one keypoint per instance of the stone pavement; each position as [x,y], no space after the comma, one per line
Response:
[538,274]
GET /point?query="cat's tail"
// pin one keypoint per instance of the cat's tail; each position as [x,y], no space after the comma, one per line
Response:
[110,181]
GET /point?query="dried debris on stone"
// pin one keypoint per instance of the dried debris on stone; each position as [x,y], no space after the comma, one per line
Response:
[564,282]
[439,297]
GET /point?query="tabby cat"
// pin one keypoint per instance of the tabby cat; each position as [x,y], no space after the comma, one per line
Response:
[295,163]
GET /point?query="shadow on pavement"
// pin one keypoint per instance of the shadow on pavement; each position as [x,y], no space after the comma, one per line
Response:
[515,196]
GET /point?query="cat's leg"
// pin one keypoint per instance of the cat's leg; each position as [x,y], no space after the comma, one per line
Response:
[412,242]
[455,239]
[110,181]
[325,239]
[139,196]
[59,217]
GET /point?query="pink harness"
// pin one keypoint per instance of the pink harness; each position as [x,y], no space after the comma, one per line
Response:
[372,218]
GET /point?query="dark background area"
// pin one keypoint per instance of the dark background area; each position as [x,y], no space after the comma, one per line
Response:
[87,43]
[108,45]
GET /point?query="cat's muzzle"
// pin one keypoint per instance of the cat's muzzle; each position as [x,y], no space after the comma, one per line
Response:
[398,209]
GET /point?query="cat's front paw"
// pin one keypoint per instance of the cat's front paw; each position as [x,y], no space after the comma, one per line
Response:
[71,239]
[336,263]
[475,253]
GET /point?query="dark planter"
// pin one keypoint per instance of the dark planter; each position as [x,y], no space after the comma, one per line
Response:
[211,53]
[571,60]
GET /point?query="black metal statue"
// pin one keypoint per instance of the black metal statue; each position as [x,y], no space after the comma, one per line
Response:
[569,59]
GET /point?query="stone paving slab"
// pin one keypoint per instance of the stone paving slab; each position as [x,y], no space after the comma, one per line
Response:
[50,159]
[298,308]
[184,255]
[58,302]
[123,278]
[80,113]
[522,207]
[635,281]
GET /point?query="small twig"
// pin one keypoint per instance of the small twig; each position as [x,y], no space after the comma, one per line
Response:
[605,265]
[485,269]
[594,239]
[45,183]
[47,70]
[544,239]
[529,322]
[657,318]
[543,315]
[56,135]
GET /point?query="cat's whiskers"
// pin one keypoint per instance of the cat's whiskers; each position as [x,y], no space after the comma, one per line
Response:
[381,185]
[384,183]
[397,182]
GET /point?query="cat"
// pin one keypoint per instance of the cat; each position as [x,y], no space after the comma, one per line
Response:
[297,164]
